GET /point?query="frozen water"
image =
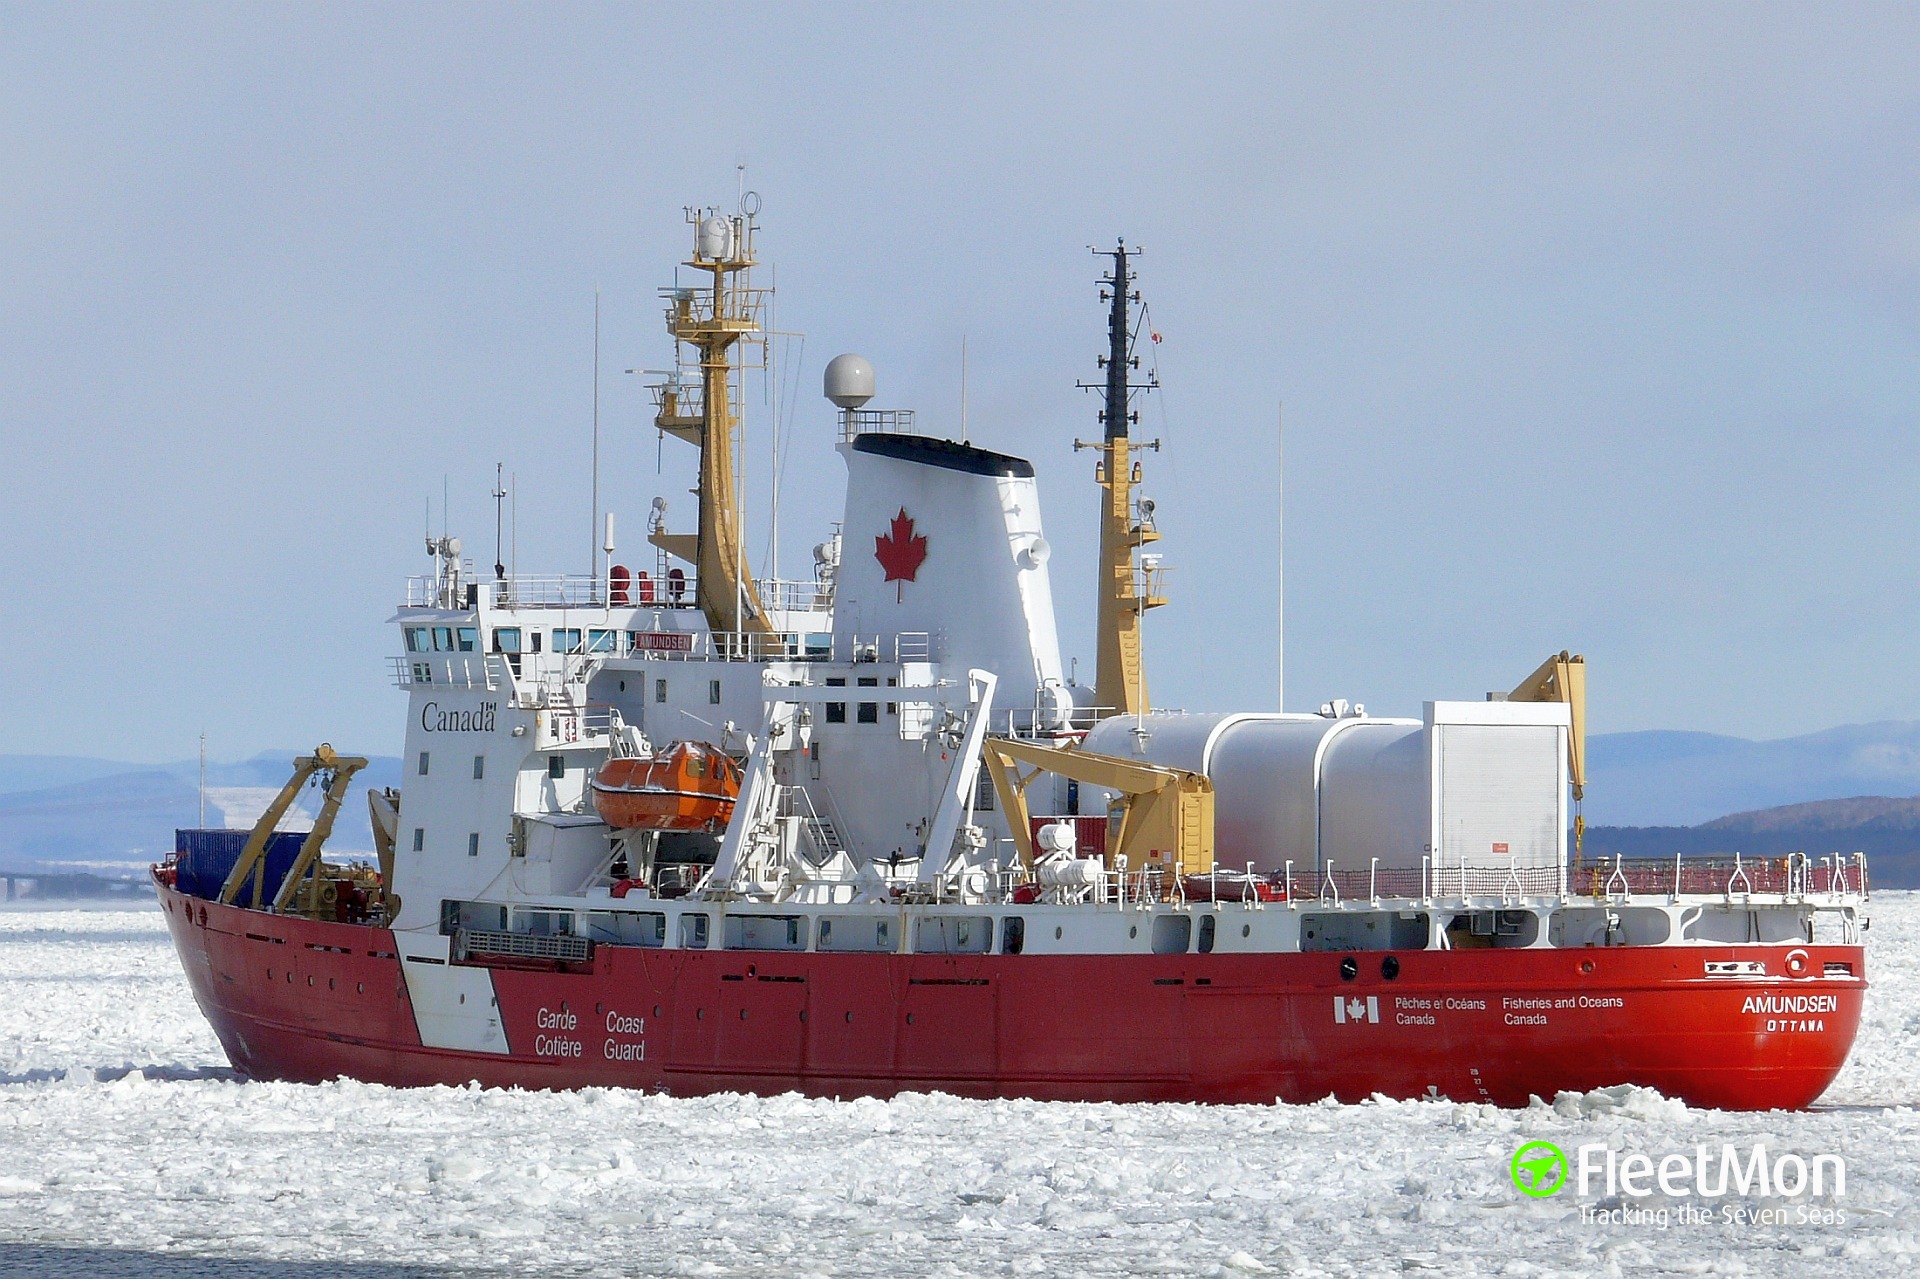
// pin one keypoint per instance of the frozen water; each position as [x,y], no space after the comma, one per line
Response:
[126,1145]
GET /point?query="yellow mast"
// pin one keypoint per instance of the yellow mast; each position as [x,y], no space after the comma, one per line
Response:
[1127,590]
[712,321]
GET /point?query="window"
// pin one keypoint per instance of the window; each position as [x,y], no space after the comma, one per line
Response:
[419,838]
[423,672]
[556,766]
[469,637]
[443,639]
[836,712]
[567,640]
[1207,926]
[423,763]
[1013,935]
[603,641]
[418,640]
[868,681]
[693,932]
[869,713]
[534,639]
[479,767]
[713,692]
[659,690]
[506,639]
[473,844]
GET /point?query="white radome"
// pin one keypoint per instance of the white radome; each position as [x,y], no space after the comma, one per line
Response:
[849,380]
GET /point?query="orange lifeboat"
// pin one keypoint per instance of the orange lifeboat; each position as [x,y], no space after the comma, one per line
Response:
[688,786]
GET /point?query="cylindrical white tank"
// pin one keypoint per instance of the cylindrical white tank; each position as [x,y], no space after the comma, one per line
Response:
[1299,788]
[849,380]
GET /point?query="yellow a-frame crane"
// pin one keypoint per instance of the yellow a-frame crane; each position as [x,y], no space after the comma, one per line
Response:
[249,870]
[1163,818]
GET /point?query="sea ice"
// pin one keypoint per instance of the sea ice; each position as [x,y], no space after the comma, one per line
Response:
[122,1128]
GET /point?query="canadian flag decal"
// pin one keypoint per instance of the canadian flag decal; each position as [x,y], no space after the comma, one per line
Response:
[1356,1009]
[901,551]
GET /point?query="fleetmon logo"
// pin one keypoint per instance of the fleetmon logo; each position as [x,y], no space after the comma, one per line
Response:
[1539,1168]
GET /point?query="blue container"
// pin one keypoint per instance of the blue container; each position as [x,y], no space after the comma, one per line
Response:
[207,857]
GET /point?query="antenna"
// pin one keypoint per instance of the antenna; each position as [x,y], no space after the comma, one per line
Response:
[203,779]
[499,569]
[964,437]
[593,525]
[1280,560]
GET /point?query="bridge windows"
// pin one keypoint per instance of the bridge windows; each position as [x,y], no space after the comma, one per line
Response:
[423,763]
[568,640]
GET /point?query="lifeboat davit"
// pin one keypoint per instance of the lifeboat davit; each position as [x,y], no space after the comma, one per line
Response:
[689,786]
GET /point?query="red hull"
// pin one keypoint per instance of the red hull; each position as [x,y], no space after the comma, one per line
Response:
[299,1000]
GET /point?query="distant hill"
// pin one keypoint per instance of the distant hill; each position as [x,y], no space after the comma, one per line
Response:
[1886,829]
[1684,779]
[66,812]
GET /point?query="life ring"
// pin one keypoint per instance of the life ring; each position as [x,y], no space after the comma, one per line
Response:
[1797,963]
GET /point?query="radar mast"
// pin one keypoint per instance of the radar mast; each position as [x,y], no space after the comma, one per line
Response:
[1127,589]
[712,321]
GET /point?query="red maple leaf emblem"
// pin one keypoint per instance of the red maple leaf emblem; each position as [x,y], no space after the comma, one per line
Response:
[902,551]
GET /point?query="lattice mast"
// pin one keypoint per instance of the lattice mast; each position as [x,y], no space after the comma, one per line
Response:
[713,321]
[1127,588]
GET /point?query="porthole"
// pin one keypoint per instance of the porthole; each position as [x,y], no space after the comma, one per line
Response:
[1390,967]
[1057,933]
[743,1014]
[1246,930]
[1133,930]
[909,1019]
[803,1014]
[699,1014]
[849,1019]
[309,981]
[1349,968]
[329,983]
[359,988]
[463,998]
[656,1010]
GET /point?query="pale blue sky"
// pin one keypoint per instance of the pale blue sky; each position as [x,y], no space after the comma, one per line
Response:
[1597,327]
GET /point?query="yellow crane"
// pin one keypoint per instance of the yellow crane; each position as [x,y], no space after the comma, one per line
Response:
[1163,816]
[249,870]
[1563,678]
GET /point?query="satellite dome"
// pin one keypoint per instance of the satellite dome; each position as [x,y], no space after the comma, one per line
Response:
[849,381]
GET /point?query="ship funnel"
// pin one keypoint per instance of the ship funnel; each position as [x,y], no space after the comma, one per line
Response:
[849,381]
